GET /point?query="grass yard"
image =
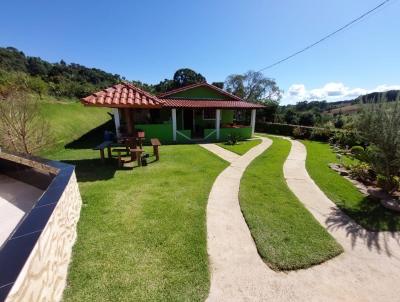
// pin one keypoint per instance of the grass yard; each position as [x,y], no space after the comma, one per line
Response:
[242,147]
[367,212]
[69,120]
[142,232]
[286,234]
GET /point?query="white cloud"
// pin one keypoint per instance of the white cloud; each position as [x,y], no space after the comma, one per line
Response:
[297,90]
[332,91]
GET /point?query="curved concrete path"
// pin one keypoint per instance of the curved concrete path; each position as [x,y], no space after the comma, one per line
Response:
[366,271]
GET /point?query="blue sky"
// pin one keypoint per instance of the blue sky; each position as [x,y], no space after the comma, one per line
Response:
[149,40]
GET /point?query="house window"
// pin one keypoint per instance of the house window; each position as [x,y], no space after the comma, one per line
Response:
[209,114]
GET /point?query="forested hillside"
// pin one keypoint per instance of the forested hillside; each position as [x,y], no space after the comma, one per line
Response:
[74,80]
[57,79]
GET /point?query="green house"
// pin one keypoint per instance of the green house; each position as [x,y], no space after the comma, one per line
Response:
[196,112]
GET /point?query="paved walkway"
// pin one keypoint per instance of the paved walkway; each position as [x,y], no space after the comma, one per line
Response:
[221,152]
[368,270]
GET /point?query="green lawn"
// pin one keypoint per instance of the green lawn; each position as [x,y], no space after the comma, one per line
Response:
[241,147]
[286,234]
[367,212]
[142,231]
[69,120]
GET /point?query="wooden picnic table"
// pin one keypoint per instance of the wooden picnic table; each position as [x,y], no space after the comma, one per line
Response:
[106,145]
[138,154]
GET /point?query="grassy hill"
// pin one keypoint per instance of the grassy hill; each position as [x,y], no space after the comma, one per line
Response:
[69,120]
[353,106]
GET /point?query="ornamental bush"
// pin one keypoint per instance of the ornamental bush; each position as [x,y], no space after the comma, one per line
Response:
[379,124]
[321,134]
[299,133]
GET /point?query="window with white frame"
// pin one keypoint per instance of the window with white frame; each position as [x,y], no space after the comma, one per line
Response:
[209,114]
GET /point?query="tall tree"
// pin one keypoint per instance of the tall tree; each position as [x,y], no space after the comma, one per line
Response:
[182,77]
[253,86]
[186,76]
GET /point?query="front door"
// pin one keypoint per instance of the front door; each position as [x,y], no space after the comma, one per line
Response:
[198,131]
[188,119]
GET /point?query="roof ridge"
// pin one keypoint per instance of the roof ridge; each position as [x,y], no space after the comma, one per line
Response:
[184,88]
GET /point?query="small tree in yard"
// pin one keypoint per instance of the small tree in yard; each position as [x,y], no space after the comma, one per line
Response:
[379,123]
[22,129]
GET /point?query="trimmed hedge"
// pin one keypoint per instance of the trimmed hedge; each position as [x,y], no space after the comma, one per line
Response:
[344,138]
[316,133]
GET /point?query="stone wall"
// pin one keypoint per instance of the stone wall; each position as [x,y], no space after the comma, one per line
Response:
[44,274]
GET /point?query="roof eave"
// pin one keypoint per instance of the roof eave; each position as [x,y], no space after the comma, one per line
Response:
[128,106]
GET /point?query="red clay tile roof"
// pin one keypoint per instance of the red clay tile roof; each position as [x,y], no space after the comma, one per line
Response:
[122,95]
[126,95]
[230,95]
[212,103]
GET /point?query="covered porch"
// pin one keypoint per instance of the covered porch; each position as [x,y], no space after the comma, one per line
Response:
[212,124]
[204,113]
[182,125]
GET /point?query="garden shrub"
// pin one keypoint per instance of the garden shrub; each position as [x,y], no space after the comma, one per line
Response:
[279,129]
[379,124]
[232,139]
[282,129]
[299,132]
[346,139]
[389,184]
[360,171]
[356,150]
[321,134]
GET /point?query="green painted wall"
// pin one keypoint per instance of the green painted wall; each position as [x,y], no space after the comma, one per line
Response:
[242,132]
[161,131]
[199,93]
[212,136]
[181,139]
[226,116]
[164,131]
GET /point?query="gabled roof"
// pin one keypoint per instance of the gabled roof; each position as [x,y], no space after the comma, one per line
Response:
[219,90]
[211,103]
[122,95]
[125,95]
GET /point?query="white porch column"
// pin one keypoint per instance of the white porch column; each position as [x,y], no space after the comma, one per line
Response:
[174,124]
[253,121]
[217,121]
[116,121]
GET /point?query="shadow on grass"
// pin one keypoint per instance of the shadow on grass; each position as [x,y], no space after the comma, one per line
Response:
[362,225]
[92,138]
[87,170]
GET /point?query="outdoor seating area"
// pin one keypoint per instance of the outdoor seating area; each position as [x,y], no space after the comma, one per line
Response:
[128,149]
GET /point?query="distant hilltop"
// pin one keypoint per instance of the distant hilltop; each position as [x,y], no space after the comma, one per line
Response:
[353,106]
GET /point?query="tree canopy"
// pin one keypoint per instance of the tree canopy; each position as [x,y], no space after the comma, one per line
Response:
[253,86]
[59,79]
[182,77]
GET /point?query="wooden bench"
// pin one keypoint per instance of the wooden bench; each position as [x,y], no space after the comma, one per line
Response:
[156,144]
[104,145]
